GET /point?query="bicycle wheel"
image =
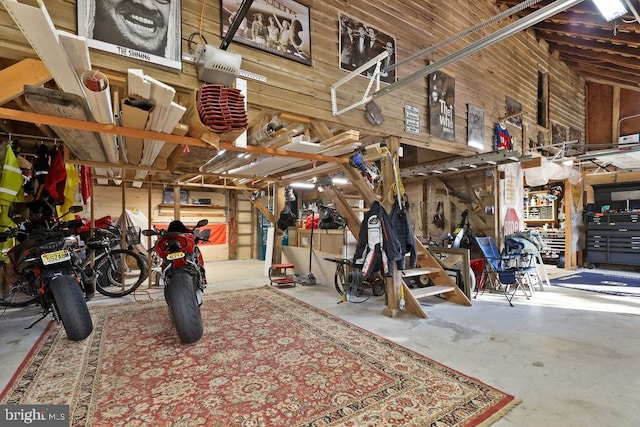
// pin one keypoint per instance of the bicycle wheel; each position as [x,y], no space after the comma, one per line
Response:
[120,272]
[339,279]
[348,282]
[18,295]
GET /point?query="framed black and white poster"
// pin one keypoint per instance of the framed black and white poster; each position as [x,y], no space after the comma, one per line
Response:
[149,31]
[513,112]
[360,42]
[475,126]
[442,98]
[281,28]
[559,133]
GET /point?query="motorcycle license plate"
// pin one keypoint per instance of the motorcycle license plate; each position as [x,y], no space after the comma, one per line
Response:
[175,255]
[55,257]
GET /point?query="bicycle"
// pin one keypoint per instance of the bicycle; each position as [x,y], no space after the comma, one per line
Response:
[15,293]
[351,283]
[119,271]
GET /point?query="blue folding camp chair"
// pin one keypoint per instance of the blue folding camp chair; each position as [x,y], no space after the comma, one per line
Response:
[511,269]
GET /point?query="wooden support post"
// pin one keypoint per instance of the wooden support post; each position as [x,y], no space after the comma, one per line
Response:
[232,238]
[149,225]
[391,291]
[123,216]
[176,202]
[278,204]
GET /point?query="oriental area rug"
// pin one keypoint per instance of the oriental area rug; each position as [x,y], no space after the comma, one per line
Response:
[266,359]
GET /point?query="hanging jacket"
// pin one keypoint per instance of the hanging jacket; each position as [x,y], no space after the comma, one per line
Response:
[502,138]
[11,181]
[54,182]
[378,245]
[404,229]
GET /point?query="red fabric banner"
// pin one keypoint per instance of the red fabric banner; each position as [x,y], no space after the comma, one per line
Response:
[216,234]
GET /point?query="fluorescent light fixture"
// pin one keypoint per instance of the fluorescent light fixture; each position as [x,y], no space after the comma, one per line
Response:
[610,9]
[421,174]
[514,158]
[472,166]
[238,169]
[246,155]
[339,181]
[451,168]
[436,171]
[492,162]
[307,185]
[240,155]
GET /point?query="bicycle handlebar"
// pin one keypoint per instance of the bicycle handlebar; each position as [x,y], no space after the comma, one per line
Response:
[343,261]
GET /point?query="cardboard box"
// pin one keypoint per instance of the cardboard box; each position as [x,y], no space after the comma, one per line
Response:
[629,139]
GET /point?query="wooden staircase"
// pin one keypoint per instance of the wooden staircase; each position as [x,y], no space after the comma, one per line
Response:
[443,285]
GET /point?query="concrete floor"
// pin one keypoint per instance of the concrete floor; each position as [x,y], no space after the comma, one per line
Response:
[572,357]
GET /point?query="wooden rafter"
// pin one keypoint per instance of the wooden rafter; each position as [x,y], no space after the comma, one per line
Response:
[6,113]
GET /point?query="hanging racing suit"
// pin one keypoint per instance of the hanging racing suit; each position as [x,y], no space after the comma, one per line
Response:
[404,230]
[378,245]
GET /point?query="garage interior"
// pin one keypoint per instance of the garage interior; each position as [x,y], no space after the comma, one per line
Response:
[561,79]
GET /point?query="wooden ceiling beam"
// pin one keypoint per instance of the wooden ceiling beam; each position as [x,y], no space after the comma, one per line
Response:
[343,138]
[588,57]
[153,170]
[321,129]
[26,72]
[629,39]
[23,116]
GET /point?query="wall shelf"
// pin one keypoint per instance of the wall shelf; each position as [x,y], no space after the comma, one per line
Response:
[191,206]
[539,209]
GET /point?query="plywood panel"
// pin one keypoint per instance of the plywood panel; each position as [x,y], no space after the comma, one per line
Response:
[599,104]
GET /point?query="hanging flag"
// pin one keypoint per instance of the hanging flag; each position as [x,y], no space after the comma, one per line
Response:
[70,186]
[86,184]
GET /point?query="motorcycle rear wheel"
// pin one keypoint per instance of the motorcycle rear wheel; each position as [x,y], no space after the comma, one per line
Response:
[71,306]
[180,295]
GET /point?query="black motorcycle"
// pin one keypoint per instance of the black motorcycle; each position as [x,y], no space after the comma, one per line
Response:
[47,266]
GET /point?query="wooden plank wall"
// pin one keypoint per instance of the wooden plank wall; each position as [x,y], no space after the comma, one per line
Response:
[108,201]
[483,79]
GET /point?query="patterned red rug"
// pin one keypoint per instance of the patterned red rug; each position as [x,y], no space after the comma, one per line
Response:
[266,359]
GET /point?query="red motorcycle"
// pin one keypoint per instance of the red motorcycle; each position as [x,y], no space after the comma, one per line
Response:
[183,276]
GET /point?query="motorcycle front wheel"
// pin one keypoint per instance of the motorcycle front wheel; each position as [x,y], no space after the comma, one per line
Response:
[71,306]
[180,295]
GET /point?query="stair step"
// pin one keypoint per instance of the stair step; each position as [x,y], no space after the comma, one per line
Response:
[430,291]
[419,271]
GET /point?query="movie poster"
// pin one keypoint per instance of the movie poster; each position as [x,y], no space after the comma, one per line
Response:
[441,103]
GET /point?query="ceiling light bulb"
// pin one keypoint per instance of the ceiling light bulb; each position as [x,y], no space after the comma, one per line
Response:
[610,9]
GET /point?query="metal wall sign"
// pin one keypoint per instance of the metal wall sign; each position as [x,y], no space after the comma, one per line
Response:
[411,119]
